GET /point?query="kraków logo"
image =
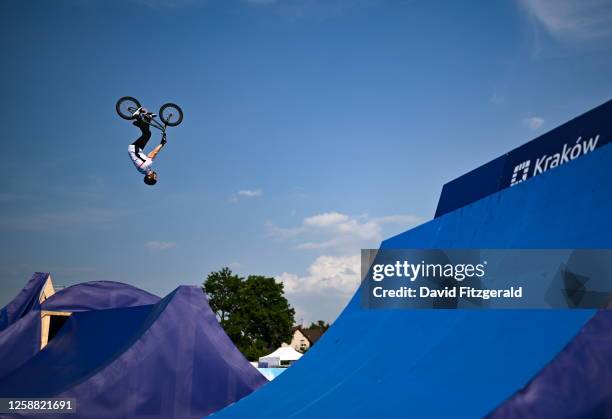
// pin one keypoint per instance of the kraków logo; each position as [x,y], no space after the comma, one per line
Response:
[546,162]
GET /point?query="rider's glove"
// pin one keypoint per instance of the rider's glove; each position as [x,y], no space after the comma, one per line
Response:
[163,140]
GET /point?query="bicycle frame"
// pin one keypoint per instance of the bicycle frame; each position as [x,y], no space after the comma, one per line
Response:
[156,124]
[153,122]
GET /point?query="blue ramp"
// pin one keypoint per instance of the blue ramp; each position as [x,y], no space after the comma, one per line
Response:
[456,363]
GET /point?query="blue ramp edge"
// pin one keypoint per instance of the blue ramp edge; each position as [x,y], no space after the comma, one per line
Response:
[575,138]
[454,363]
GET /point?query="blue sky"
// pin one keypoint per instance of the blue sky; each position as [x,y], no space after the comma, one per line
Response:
[312,128]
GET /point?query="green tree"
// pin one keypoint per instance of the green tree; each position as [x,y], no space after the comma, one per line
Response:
[254,312]
[223,288]
[320,324]
[266,314]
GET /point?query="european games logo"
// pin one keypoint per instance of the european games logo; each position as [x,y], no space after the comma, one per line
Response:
[521,172]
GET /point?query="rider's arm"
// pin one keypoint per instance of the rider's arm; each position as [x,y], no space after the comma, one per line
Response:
[154,152]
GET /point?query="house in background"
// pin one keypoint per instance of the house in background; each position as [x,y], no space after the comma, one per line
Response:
[303,338]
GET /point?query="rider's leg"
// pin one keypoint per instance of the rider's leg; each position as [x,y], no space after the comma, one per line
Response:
[145,135]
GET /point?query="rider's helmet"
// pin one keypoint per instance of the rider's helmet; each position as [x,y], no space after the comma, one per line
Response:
[150,178]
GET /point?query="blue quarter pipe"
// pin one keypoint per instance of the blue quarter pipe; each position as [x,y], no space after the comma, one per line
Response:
[457,363]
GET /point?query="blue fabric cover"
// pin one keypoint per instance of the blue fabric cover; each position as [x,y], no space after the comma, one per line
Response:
[167,360]
[26,301]
[20,321]
[576,384]
[98,295]
[458,363]
[20,327]
[19,342]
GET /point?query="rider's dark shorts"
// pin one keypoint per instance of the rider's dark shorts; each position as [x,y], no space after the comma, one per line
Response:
[145,135]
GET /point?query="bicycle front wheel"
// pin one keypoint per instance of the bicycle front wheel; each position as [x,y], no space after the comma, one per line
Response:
[171,114]
[126,106]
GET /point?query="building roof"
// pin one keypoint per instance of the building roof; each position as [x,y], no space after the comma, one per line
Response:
[312,335]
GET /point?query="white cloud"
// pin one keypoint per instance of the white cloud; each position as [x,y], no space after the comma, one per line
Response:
[250,193]
[325,290]
[335,274]
[159,245]
[325,219]
[534,122]
[340,232]
[332,277]
[247,194]
[572,20]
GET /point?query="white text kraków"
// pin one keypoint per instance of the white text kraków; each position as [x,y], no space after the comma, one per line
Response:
[568,153]
[413,271]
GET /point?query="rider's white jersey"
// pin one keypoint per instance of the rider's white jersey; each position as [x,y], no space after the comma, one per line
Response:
[142,162]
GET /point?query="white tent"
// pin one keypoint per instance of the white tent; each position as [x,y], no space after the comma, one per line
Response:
[283,356]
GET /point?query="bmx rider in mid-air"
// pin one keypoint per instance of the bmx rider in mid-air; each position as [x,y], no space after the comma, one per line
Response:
[142,161]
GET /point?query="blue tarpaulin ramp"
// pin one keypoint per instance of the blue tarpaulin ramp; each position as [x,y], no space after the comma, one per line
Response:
[98,295]
[88,342]
[20,325]
[170,359]
[19,342]
[21,320]
[459,363]
[26,301]
[576,384]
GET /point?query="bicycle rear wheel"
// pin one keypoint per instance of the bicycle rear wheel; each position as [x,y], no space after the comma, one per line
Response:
[126,106]
[171,114]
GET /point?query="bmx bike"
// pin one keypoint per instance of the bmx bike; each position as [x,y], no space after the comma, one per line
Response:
[170,114]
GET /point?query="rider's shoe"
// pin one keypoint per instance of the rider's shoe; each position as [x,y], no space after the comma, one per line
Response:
[144,113]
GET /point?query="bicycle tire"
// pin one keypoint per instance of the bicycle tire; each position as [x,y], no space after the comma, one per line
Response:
[168,117]
[125,105]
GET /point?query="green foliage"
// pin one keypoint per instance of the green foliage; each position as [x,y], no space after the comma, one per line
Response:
[253,311]
[320,324]
[222,288]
